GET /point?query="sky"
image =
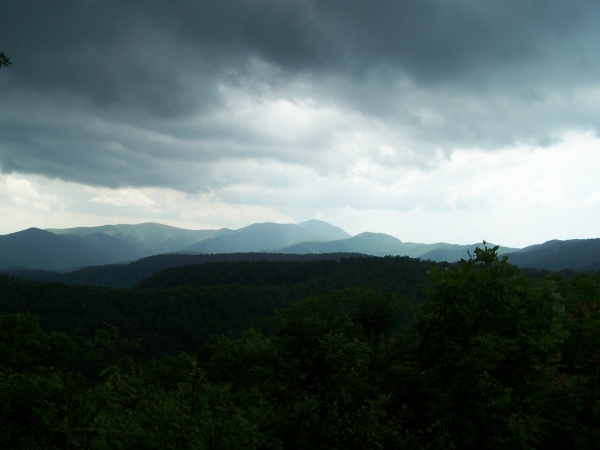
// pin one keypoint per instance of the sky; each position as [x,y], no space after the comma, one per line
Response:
[432,121]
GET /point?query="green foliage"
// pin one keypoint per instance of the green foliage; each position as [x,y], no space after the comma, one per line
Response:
[180,309]
[489,348]
[330,349]
[24,344]
[492,359]
[123,406]
[4,60]
[245,362]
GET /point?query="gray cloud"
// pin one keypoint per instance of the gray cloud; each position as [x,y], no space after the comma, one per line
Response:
[128,93]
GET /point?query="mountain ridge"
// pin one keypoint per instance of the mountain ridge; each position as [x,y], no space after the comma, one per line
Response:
[573,254]
[72,248]
[39,249]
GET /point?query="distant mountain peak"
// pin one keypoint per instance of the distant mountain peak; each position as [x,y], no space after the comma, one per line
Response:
[63,249]
[316,221]
[324,230]
[375,235]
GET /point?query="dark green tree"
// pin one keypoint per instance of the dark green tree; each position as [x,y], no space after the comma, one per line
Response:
[490,342]
[4,60]
[329,348]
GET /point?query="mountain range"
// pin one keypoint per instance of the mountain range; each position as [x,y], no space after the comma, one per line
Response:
[63,250]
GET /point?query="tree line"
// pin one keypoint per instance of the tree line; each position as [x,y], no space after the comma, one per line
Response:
[482,356]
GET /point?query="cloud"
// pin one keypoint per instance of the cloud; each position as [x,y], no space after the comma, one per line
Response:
[307,105]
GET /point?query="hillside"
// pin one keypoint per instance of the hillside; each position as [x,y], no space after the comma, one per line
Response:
[180,307]
[380,244]
[130,274]
[228,348]
[268,237]
[143,239]
[456,252]
[39,249]
[376,244]
[575,254]
[74,248]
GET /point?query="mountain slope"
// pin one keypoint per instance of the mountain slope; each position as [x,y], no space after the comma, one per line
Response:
[144,239]
[114,249]
[456,252]
[130,274]
[574,254]
[376,244]
[265,237]
[380,244]
[64,249]
[61,249]
[39,249]
[323,231]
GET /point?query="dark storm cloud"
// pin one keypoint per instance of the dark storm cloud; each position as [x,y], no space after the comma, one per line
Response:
[139,93]
[140,52]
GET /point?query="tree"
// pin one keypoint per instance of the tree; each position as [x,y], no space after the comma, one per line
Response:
[329,349]
[489,346]
[4,60]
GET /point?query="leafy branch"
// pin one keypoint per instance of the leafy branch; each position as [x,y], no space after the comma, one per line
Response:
[4,60]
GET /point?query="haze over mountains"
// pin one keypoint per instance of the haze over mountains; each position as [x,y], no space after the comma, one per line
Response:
[73,248]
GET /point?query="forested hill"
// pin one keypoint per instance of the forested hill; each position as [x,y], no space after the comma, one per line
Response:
[130,274]
[393,275]
[179,308]
[361,353]
[574,254]
[68,250]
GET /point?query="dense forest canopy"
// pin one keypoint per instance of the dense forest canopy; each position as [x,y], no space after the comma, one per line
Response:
[357,353]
